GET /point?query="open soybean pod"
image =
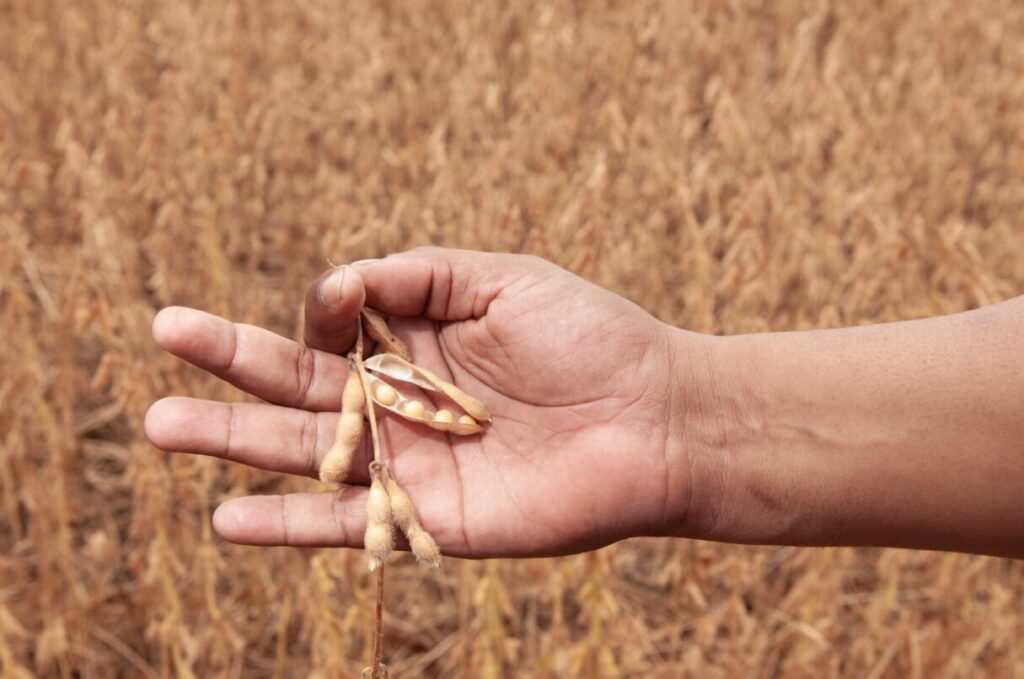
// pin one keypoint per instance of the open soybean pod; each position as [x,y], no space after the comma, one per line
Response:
[389,398]
[400,369]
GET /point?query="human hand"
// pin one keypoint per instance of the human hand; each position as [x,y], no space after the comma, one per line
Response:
[579,381]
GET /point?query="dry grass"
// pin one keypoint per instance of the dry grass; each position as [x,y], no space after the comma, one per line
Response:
[761,165]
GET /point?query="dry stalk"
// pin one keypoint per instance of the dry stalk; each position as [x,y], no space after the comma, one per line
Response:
[361,369]
[380,670]
[379,538]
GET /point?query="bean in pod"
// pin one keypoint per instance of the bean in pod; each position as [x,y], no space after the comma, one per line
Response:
[396,367]
[389,398]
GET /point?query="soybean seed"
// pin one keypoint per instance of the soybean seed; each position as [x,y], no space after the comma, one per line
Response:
[413,408]
[386,394]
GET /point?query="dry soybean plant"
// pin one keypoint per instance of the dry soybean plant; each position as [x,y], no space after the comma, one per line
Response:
[388,505]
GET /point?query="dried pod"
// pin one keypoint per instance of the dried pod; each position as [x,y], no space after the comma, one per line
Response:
[382,672]
[414,410]
[474,407]
[424,547]
[335,464]
[379,538]
[378,541]
[404,514]
[401,369]
[377,328]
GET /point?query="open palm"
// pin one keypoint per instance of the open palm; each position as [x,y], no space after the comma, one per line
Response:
[578,381]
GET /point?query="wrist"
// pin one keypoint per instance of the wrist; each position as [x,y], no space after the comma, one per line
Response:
[738,481]
[703,408]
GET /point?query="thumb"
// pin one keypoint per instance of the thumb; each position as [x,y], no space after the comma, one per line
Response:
[333,303]
[441,284]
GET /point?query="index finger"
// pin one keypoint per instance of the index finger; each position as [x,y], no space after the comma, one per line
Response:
[258,361]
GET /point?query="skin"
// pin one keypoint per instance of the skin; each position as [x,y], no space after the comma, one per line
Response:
[609,424]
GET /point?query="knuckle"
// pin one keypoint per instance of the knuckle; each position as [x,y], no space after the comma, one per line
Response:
[305,371]
[310,443]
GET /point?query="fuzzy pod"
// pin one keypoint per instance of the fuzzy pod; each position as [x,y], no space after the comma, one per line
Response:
[379,539]
[377,328]
[378,502]
[336,463]
[424,547]
[404,515]
[352,396]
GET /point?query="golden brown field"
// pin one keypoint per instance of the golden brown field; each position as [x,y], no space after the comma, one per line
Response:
[755,166]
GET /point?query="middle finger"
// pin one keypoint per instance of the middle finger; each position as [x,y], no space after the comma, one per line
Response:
[268,437]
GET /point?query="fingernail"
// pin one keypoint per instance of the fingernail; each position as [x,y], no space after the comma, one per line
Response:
[330,287]
[363,262]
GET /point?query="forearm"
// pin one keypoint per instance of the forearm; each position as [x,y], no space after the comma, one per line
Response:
[905,434]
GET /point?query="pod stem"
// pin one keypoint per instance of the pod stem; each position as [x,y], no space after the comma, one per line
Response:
[370,410]
[378,628]
[378,671]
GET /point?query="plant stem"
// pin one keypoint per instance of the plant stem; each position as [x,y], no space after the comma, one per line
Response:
[366,390]
[378,633]
[378,612]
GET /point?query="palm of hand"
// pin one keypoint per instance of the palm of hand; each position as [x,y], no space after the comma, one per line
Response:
[579,410]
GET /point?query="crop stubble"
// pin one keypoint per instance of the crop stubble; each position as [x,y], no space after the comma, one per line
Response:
[760,166]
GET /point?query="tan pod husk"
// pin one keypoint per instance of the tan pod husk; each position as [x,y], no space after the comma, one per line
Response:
[336,463]
[423,545]
[398,368]
[379,539]
[377,328]
[401,408]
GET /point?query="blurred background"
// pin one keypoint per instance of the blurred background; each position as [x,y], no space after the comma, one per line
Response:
[731,166]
